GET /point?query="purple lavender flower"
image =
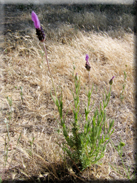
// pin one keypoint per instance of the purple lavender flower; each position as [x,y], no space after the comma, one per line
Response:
[111,80]
[87,65]
[39,30]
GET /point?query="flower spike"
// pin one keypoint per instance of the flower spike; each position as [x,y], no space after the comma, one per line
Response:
[39,29]
[111,80]
[87,65]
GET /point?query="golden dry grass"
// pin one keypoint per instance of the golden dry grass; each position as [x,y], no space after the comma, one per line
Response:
[24,65]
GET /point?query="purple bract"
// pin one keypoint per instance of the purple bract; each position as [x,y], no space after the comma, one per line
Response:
[35,20]
[87,57]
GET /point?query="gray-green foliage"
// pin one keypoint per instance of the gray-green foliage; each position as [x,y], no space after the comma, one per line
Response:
[85,146]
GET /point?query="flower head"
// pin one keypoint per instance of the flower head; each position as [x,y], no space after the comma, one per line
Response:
[39,30]
[87,65]
[111,80]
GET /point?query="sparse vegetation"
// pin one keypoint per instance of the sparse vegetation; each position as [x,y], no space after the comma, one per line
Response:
[30,133]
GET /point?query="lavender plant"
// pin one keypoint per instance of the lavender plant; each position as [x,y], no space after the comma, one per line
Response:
[85,146]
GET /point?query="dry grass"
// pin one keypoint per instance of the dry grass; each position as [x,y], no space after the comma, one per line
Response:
[23,65]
